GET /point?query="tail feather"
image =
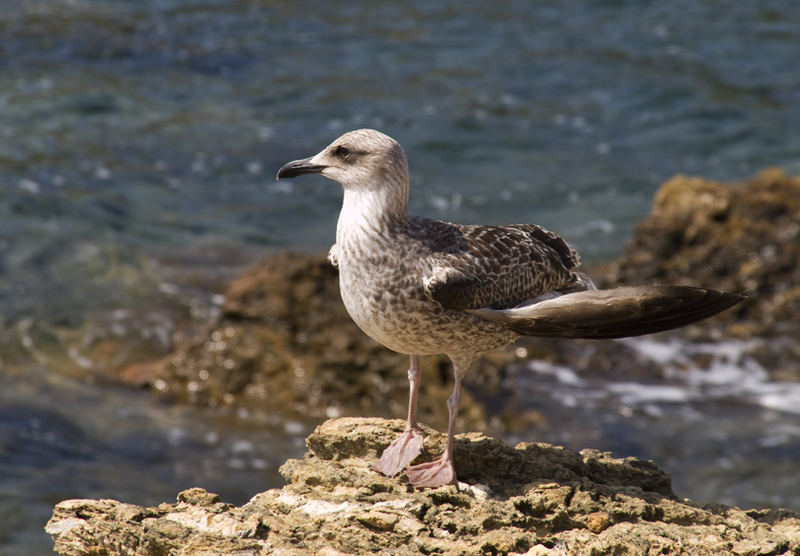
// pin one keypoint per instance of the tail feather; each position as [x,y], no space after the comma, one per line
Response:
[613,313]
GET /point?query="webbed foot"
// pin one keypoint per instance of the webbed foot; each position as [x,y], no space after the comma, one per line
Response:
[400,453]
[432,474]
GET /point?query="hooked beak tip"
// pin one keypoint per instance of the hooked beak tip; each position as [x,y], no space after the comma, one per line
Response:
[298,168]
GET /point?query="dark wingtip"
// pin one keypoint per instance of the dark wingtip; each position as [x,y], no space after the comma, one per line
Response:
[625,311]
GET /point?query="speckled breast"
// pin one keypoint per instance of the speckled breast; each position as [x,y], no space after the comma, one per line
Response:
[389,304]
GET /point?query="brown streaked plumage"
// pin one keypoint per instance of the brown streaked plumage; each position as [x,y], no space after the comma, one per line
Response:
[422,286]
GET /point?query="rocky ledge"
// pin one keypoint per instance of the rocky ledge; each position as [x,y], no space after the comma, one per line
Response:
[529,499]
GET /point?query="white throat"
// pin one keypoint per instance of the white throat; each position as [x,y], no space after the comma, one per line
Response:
[367,213]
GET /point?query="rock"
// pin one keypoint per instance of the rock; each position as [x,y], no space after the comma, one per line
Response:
[529,499]
[285,340]
[737,237]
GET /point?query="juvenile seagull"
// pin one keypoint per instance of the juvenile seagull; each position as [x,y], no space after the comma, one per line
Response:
[422,286]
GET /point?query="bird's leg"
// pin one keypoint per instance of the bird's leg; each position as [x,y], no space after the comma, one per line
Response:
[408,445]
[442,472]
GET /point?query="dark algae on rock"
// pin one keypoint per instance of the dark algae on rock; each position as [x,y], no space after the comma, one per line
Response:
[741,237]
[284,338]
[532,499]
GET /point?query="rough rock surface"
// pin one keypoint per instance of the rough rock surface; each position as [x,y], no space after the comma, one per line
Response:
[740,237]
[285,340]
[737,237]
[529,499]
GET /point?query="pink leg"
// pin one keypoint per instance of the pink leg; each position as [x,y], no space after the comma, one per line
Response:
[408,445]
[442,472]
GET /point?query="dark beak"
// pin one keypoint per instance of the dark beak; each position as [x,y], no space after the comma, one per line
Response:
[298,168]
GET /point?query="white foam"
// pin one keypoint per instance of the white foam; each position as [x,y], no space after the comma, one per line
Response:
[780,396]
[636,393]
[562,374]
[730,373]
[691,372]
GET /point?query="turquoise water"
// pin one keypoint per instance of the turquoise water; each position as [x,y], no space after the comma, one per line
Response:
[139,142]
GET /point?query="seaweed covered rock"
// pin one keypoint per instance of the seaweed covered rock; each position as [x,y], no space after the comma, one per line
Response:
[285,341]
[737,237]
[528,499]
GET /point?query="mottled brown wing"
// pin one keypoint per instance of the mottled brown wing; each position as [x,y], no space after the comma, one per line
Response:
[499,266]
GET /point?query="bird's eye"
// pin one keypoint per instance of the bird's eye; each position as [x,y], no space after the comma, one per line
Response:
[342,152]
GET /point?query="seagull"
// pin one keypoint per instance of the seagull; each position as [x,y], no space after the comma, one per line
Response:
[420,286]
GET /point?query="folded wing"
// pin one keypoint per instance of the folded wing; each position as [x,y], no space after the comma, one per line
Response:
[500,266]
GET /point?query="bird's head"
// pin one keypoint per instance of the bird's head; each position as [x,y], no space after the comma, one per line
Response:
[360,160]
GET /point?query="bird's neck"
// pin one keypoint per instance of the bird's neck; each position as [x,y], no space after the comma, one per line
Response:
[371,213]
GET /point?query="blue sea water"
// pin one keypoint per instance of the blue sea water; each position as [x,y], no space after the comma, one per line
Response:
[139,142]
